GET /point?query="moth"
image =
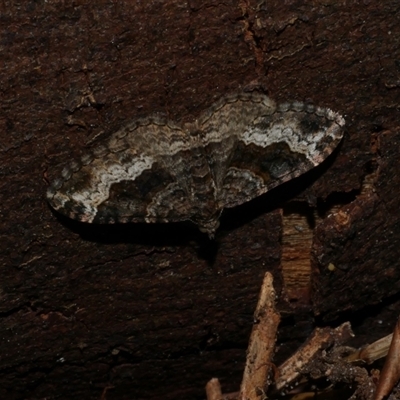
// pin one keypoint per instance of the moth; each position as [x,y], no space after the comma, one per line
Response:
[155,170]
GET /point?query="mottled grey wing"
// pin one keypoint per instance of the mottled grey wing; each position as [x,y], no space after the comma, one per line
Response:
[262,146]
[140,176]
[222,124]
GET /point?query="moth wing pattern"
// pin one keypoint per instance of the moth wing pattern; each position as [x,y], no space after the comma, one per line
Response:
[153,170]
[139,176]
[263,145]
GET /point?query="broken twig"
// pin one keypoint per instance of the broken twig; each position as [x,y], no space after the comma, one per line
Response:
[373,351]
[321,338]
[390,373]
[262,344]
[213,389]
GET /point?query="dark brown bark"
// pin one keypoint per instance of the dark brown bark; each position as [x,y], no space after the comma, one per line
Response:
[153,312]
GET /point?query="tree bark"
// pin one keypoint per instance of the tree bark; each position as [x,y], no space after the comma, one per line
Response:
[155,311]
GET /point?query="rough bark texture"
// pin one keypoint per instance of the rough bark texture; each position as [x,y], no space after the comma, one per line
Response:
[152,312]
[367,232]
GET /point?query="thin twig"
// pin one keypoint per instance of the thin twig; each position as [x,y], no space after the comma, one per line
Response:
[290,370]
[213,389]
[373,351]
[390,373]
[261,345]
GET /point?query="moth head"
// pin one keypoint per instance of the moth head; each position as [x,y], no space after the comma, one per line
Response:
[208,226]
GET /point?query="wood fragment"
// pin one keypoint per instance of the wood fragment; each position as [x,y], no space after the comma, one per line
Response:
[390,374]
[213,389]
[290,370]
[373,351]
[261,345]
